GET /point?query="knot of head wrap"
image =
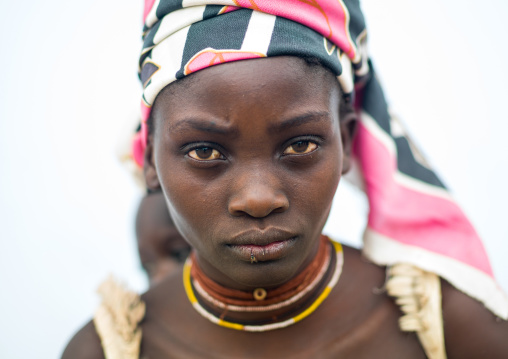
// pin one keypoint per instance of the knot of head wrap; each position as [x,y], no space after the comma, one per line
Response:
[412,217]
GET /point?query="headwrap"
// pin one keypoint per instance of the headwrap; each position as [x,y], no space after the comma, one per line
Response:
[412,217]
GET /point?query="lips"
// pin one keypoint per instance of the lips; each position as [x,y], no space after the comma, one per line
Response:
[262,245]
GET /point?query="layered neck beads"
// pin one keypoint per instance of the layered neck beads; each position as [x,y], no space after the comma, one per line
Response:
[281,306]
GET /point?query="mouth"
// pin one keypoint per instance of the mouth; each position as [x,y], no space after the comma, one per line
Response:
[262,246]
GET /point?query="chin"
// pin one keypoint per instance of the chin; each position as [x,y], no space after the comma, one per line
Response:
[267,274]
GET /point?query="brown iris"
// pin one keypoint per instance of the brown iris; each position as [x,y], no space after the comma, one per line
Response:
[204,154]
[300,147]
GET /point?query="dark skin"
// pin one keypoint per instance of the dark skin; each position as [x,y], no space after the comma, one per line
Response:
[162,249]
[260,177]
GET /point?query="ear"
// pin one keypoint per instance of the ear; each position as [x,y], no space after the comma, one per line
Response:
[348,124]
[149,170]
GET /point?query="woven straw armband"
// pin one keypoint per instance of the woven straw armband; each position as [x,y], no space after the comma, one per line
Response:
[418,294]
[116,321]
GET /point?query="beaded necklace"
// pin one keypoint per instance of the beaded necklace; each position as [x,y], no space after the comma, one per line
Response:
[330,263]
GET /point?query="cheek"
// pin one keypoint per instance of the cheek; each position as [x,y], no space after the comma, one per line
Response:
[194,200]
[313,195]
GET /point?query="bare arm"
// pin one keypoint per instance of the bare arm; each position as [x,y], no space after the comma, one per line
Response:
[85,344]
[471,331]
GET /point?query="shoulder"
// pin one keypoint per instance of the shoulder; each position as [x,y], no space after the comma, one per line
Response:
[86,344]
[115,327]
[471,331]
[366,315]
[361,289]
[166,307]
[361,269]
[169,321]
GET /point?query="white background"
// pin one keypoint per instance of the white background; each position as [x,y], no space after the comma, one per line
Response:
[68,84]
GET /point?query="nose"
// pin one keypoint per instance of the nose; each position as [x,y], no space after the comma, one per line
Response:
[257,195]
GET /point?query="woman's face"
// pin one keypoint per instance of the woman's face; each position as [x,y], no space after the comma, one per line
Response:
[249,155]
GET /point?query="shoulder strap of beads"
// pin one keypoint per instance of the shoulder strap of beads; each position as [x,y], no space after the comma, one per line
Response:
[116,321]
[418,294]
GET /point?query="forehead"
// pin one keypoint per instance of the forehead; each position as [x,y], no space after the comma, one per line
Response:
[273,86]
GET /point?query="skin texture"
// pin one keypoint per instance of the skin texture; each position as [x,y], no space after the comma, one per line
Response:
[162,249]
[253,189]
[254,183]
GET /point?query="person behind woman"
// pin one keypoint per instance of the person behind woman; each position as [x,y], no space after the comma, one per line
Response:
[162,249]
[251,118]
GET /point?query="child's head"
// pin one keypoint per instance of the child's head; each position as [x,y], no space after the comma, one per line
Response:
[250,154]
[161,248]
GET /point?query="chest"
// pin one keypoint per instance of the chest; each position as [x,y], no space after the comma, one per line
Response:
[373,333]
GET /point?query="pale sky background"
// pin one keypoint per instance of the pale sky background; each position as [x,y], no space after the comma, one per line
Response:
[68,85]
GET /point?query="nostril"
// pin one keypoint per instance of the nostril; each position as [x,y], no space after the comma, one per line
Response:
[280,209]
[258,204]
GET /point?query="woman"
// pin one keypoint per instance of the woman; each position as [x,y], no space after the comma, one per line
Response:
[250,118]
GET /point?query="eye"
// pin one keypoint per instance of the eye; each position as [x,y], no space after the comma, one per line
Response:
[205,154]
[300,148]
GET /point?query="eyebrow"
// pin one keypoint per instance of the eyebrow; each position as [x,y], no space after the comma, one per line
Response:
[203,126]
[300,120]
[209,126]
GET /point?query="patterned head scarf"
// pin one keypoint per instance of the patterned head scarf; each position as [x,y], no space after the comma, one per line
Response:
[412,217]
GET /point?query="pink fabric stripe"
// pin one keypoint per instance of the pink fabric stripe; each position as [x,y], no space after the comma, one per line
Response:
[138,149]
[325,17]
[210,57]
[139,140]
[148,7]
[145,111]
[411,217]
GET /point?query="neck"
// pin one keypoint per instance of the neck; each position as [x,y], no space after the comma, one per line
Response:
[266,306]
